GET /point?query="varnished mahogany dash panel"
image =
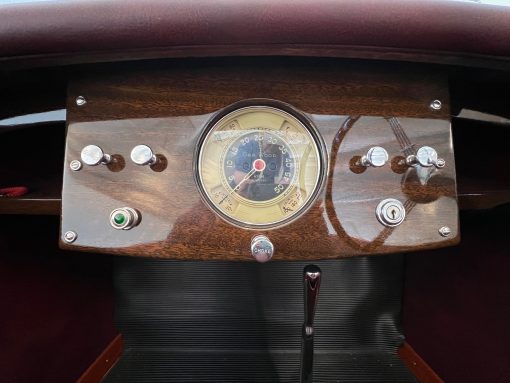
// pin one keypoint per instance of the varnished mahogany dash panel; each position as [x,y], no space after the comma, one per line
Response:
[354,106]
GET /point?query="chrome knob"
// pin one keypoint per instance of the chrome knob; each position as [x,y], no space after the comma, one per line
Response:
[376,157]
[390,212]
[426,157]
[124,218]
[93,155]
[262,248]
[143,155]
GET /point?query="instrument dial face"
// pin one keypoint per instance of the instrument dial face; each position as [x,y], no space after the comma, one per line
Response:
[260,166]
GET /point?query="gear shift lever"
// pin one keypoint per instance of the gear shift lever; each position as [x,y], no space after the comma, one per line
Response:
[312,284]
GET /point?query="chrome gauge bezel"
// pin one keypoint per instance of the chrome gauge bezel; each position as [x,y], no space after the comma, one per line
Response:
[265,104]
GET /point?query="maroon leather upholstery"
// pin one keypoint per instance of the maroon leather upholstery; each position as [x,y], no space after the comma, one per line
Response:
[80,26]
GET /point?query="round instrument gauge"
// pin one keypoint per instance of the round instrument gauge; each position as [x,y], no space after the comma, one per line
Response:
[260,163]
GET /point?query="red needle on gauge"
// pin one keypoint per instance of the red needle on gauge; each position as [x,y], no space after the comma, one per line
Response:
[258,166]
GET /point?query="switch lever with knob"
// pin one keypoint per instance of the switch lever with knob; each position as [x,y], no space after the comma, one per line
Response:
[93,155]
[426,157]
[376,157]
[143,155]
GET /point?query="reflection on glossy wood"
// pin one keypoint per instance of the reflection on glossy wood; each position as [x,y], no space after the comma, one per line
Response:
[188,88]
[167,111]
[428,194]
[483,200]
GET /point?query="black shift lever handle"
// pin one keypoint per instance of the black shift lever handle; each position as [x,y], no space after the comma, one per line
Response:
[312,284]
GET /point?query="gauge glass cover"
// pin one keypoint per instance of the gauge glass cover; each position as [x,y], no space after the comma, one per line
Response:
[260,166]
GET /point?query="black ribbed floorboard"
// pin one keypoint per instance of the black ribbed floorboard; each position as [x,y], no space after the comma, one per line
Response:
[241,322]
[140,366]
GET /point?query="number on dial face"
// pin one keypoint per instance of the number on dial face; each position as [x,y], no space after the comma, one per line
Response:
[259,166]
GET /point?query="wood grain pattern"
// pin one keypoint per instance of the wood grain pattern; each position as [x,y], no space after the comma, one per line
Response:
[52,206]
[196,87]
[31,205]
[104,362]
[167,109]
[417,365]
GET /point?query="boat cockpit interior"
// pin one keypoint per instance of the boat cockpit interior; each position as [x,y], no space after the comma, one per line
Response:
[255,191]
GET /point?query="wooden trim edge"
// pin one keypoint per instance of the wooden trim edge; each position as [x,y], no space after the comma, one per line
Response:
[421,370]
[104,362]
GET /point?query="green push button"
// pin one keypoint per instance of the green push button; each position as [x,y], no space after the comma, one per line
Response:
[124,218]
[119,218]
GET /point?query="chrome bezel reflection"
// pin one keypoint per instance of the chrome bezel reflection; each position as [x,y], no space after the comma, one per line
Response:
[316,144]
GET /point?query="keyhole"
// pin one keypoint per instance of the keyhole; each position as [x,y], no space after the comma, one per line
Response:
[393,213]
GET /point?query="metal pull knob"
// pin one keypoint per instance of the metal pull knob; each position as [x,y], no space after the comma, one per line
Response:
[426,157]
[311,283]
[143,155]
[262,248]
[93,155]
[376,157]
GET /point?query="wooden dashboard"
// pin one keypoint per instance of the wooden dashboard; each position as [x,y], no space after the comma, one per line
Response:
[353,108]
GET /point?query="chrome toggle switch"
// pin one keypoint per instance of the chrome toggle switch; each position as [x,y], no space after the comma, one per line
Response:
[390,212]
[143,155]
[376,157]
[124,218]
[93,155]
[426,157]
[262,248]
